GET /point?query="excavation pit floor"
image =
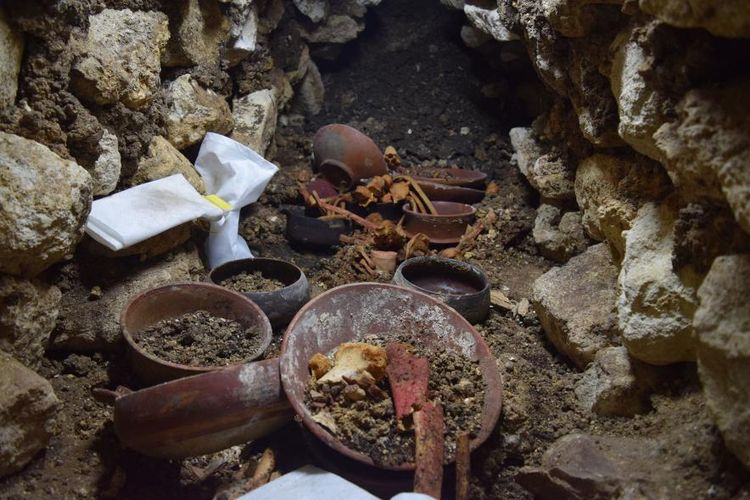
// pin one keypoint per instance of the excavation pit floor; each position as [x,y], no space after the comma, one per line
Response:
[408,82]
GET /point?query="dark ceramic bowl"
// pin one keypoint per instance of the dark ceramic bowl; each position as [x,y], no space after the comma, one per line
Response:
[311,232]
[170,301]
[461,285]
[349,313]
[444,228]
[279,305]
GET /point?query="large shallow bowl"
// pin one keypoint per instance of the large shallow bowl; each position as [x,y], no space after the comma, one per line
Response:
[279,305]
[444,228]
[171,301]
[351,312]
[201,414]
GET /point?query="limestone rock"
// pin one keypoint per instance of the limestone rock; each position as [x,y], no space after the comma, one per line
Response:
[162,160]
[106,172]
[11,53]
[255,120]
[656,305]
[614,384]
[722,323]
[577,18]
[552,175]
[641,104]
[311,91]
[490,22]
[316,10]
[547,47]
[88,325]
[455,4]
[45,202]
[576,304]
[28,311]
[194,111]
[198,31]
[730,18]
[559,235]
[27,404]
[527,147]
[590,92]
[120,58]
[336,29]
[610,189]
[585,466]
[707,148]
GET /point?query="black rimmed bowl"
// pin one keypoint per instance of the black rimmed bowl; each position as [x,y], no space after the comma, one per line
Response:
[461,285]
[171,301]
[279,305]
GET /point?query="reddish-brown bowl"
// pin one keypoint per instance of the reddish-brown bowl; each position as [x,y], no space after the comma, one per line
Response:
[344,155]
[171,301]
[349,313]
[451,176]
[436,191]
[444,228]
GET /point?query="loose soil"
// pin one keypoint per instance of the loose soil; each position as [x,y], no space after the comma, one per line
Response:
[369,425]
[200,339]
[252,282]
[407,81]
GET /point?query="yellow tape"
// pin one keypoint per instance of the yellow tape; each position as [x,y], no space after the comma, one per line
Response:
[218,202]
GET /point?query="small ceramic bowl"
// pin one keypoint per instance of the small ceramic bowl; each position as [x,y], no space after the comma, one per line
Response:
[461,285]
[313,233]
[444,228]
[170,301]
[279,305]
[436,191]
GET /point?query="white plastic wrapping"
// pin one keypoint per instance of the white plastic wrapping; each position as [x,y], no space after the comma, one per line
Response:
[238,175]
[143,211]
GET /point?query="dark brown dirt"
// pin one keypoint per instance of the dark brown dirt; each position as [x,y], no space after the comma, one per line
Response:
[252,282]
[200,339]
[369,425]
[408,82]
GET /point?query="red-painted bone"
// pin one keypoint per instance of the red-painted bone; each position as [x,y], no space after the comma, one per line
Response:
[408,376]
[429,430]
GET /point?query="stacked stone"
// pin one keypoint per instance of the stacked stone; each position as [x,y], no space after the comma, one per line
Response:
[647,150]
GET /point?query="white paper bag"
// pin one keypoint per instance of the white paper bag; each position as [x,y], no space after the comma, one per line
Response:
[238,175]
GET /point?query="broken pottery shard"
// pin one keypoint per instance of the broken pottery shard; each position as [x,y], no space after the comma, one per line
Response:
[354,357]
[429,428]
[408,376]
[319,365]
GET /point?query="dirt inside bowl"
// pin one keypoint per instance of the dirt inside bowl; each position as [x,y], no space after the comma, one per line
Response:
[368,425]
[200,339]
[252,282]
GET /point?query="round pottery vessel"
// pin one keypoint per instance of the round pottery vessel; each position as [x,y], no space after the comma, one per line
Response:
[461,285]
[349,313]
[313,233]
[454,177]
[201,414]
[171,301]
[279,305]
[344,155]
[444,228]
